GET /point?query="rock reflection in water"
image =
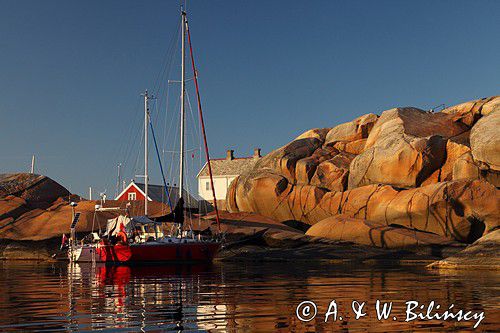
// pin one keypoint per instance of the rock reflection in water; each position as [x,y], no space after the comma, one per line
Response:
[230,297]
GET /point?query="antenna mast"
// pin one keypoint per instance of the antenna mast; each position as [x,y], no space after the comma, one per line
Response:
[33,164]
[183,84]
[118,180]
[146,121]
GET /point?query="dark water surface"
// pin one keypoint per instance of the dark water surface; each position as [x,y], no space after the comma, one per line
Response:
[260,297]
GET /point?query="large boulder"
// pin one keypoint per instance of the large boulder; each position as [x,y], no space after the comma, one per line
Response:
[306,168]
[284,159]
[35,207]
[357,129]
[470,112]
[36,189]
[455,209]
[315,133]
[485,141]
[465,167]
[450,209]
[359,231]
[454,151]
[27,223]
[333,174]
[483,254]
[404,148]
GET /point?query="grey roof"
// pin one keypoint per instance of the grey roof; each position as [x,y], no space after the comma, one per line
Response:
[157,193]
[225,167]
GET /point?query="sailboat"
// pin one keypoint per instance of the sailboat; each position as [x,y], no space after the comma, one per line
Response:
[140,239]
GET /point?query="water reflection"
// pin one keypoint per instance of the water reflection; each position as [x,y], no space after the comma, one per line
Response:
[144,296]
[229,297]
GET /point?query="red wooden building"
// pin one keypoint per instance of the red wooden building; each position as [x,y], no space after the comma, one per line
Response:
[135,191]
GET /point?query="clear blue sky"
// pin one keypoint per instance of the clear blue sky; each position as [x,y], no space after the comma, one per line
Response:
[71,72]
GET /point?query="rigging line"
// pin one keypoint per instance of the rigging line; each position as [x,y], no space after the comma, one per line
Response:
[155,111]
[168,68]
[174,115]
[161,168]
[168,59]
[194,133]
[195,74]
[176,139]
[122,150]
[132,146]
[132,138]
[166,115]
[138,154]
[168,134]
[176,152]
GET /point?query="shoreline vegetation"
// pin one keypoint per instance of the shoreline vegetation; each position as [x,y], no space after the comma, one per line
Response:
[408,187]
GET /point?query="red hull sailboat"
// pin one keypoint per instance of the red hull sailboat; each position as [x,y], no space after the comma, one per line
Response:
[189,251]
[140,239]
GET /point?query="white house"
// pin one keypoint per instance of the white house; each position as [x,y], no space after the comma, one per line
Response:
[224,170]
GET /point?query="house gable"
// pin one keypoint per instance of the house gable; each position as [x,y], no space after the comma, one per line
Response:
[132,188]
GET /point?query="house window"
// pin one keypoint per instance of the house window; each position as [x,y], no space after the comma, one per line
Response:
[207,186]
[132,196]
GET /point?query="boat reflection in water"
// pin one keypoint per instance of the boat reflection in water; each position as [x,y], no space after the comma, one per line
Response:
[242,296]
[145,296]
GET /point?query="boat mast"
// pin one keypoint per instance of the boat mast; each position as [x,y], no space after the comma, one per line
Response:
[183,83]
[146,121]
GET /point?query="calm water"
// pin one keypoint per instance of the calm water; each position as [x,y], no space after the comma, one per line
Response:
[231,297]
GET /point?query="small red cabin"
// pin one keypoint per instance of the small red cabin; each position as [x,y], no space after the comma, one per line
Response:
[135,191]
[131,193]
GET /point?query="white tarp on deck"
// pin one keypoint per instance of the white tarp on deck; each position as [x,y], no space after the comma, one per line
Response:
[113,226]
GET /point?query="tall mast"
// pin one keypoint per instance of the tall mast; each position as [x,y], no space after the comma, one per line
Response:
[146,121]
[118,180]
[183,83]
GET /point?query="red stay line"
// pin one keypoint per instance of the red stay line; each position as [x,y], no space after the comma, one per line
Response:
[195,73]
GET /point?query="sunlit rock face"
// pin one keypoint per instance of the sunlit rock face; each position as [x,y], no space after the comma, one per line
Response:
[360,231]
[37,189]
[420,170]
[485,145]
[404,148]
[35,207]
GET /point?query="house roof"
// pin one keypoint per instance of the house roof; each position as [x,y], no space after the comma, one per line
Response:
[157,193]
[227,167]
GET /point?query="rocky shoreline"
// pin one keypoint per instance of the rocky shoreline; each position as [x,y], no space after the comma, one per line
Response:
[405,178]
[273,245]
[408,186]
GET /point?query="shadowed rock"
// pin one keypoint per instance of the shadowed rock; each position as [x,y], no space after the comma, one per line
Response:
[482,254]
[333,174]
[37,189]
